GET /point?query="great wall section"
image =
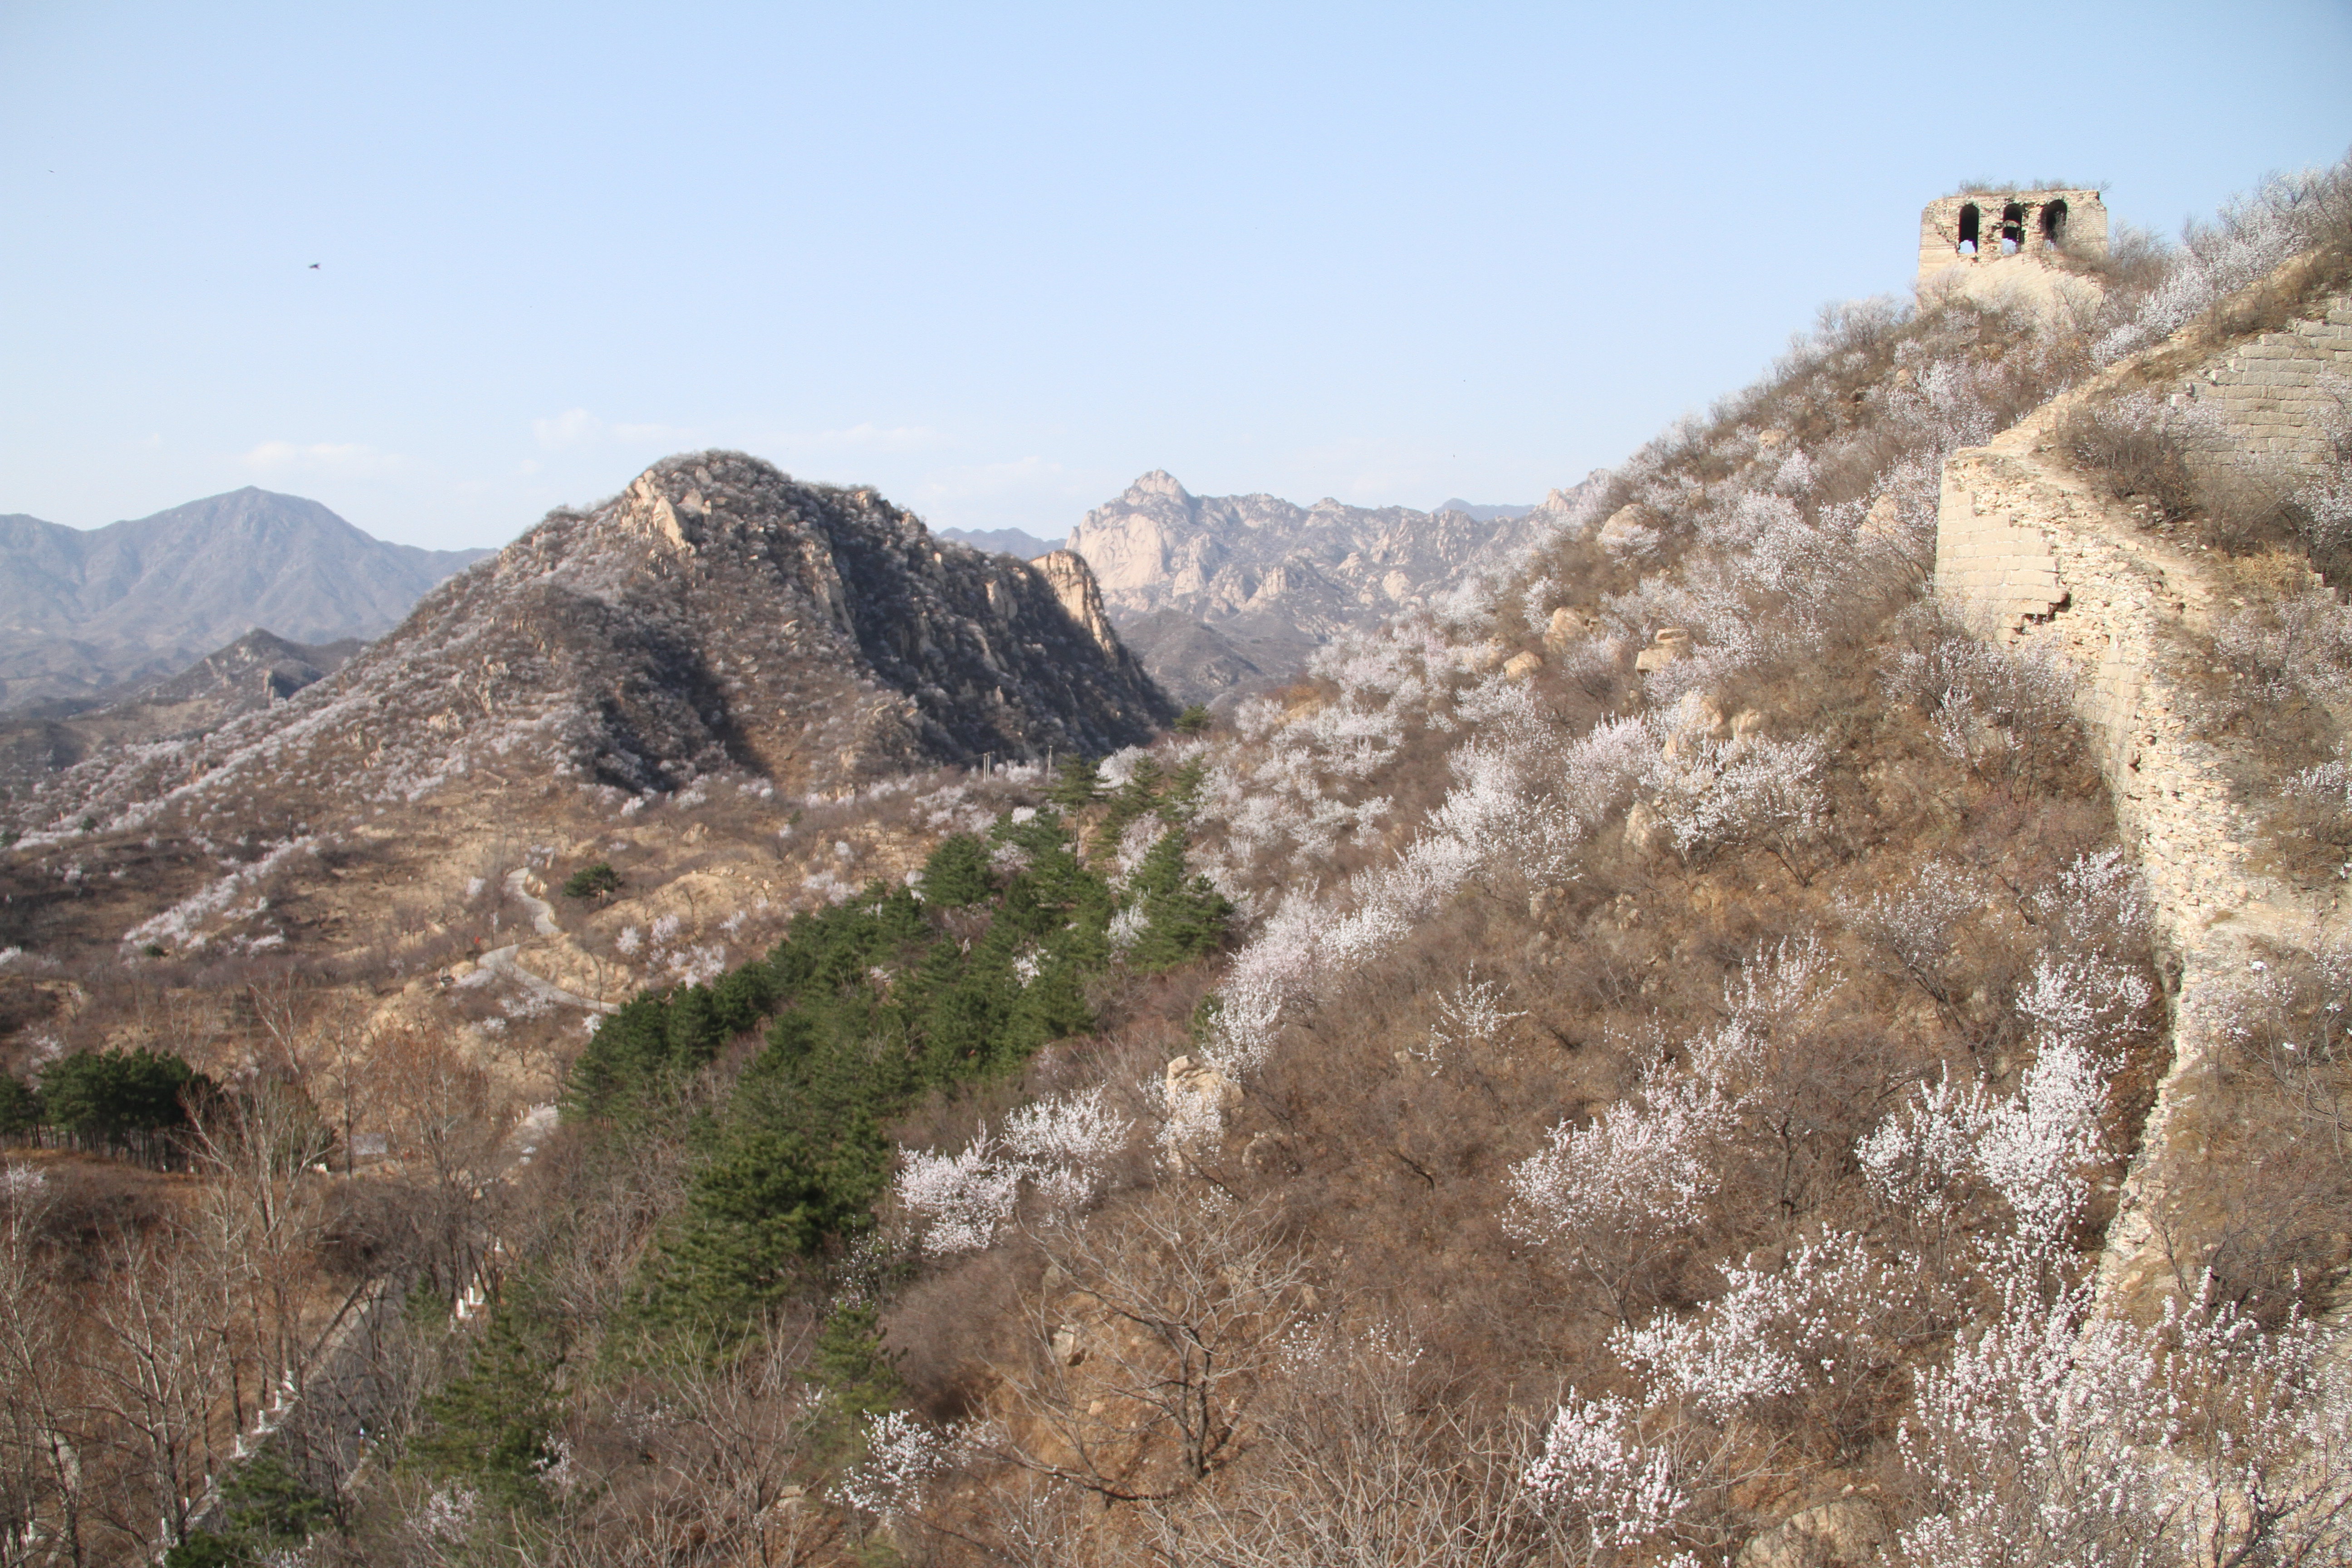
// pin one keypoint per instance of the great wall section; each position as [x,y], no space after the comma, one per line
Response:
[2029,548]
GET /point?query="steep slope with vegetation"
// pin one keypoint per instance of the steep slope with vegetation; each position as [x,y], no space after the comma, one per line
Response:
[256,671]
[1633,1061]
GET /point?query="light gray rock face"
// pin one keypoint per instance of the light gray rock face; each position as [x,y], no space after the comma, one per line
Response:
[83,611]
[1272,579]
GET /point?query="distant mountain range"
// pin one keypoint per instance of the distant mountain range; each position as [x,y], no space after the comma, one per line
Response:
[1215,593]
[1480,513]
[1000,541]
[84,613]
[716,615]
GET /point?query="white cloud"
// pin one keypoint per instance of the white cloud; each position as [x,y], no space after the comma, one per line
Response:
[571,427]
[578,428]
[867,436]
[1020,476]
[347,459]
[1373,471]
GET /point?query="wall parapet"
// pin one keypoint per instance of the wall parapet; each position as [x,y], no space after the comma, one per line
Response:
[2281,399]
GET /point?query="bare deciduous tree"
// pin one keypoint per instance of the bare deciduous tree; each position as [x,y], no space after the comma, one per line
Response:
[161,1370]
[262,1209]
[1364,1460]
[1153,1334]
[41,1482]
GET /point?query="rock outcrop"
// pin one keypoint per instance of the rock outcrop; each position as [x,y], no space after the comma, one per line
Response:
[1271,580]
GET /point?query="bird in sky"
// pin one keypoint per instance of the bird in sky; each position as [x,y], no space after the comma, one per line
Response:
[314,266]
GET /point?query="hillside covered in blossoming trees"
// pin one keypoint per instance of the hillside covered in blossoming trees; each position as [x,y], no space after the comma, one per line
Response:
[1667,1053]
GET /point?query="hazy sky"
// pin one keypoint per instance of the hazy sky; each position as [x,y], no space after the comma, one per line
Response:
[1000,259]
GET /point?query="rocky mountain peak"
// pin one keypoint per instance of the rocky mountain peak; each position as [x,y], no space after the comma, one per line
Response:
[1160,482]
[716,614]
[1217,591]
[1074,584]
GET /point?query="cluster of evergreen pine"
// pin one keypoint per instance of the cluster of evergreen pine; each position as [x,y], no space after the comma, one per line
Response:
[867,1007]
[860,1010]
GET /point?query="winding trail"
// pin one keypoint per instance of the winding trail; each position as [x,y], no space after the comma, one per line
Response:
[502,960]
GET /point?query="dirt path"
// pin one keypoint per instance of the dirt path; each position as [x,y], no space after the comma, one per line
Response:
[502,960]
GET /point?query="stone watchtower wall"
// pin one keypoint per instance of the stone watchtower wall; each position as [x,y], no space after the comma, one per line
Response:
[1983,228]
[2282,397]
[1992,244]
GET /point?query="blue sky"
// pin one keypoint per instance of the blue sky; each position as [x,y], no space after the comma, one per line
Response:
[997,260]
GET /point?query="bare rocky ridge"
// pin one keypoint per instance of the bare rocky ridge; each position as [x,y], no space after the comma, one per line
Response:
[1219,591]
[717,614]
[83,612]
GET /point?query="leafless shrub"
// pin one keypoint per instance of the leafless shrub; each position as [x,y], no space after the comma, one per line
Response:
[2136,451]
[2004,713]
[1151,1342]
[1365,1457]
[2296,645]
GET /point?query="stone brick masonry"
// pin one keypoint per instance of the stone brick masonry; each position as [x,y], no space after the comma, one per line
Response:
[2279,395]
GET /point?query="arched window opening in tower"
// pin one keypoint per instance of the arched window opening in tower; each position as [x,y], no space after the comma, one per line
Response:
[2012,229]
[1968,221]
[2054,223]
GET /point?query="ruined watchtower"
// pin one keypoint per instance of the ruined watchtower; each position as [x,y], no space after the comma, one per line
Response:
[2018,243]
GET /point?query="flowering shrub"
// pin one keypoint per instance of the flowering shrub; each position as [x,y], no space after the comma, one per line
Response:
[2029,1149]
[181,924]
[958,1201]
[1061,1148]
[1598,1478]
[1814,1318]
[903,1453]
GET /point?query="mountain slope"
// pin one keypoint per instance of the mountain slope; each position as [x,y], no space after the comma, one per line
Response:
[717,614]
[81,611]
[258,670]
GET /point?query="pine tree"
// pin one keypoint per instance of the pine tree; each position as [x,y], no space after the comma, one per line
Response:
[859,1377]
[1186,916]
[104,1095]
[493,1428]
[1080,783]
[1128,802]
[1181,801]
[20,1108]
[957,875]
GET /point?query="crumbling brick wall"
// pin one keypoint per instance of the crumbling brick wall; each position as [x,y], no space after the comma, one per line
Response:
[2278,395]
[1990,557]
[2028,548]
